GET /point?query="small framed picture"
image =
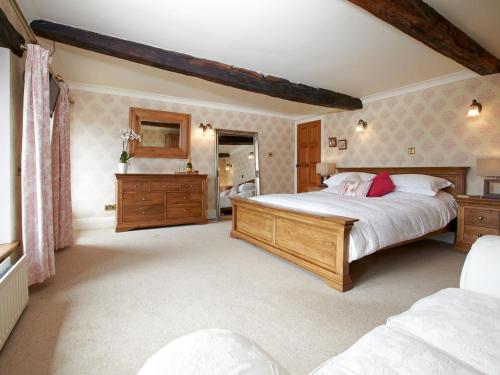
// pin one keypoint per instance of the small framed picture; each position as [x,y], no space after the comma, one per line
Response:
[332,142]
[342,144]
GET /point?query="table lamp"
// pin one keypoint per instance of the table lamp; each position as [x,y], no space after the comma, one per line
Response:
[489,168]
[325,169]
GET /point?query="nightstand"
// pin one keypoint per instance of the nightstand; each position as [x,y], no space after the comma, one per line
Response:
[476,217]
[317,187]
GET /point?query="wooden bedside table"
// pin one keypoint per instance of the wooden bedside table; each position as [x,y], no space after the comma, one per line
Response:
[476,217]
[317,187]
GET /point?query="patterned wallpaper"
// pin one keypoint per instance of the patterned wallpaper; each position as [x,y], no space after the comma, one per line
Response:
[96,121]
[432,120]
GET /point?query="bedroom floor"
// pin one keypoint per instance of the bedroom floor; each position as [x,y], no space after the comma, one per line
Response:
[118,298]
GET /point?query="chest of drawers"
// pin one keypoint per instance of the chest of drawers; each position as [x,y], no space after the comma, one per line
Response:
[477,217]
[152,200]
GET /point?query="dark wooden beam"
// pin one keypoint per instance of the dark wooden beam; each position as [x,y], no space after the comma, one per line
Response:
[9,37]
[422,22]
[192,66]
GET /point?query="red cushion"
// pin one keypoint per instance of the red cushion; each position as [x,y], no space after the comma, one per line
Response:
[381,185]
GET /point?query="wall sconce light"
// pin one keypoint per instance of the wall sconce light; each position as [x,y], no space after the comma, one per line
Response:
[362,125]
[228,167]
[206,129]
[474,109]
[251,155]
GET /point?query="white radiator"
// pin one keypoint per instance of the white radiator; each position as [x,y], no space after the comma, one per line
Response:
[13,297]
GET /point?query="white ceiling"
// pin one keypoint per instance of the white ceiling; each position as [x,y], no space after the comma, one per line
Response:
[327,43]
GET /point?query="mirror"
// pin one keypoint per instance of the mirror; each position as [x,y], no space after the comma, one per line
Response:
[237,168]
[163,134]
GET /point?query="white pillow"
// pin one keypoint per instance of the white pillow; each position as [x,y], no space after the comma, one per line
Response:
[246,186]
[419,183]
[338,178]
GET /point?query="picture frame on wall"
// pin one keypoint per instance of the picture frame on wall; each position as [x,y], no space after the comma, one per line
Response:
[332,142]
[342,144]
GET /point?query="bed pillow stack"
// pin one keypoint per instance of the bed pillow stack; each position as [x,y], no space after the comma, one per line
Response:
[381,185]
[419,184]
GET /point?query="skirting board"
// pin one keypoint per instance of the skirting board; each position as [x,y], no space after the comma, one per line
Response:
[109,221]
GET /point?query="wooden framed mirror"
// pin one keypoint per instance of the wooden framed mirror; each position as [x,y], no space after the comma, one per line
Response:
[163,134]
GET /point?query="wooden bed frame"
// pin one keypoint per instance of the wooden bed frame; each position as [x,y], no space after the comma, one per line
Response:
[319,243]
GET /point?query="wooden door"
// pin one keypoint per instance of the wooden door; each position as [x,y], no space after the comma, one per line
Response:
[308,155]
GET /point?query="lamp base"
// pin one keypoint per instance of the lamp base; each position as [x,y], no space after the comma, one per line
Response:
[488,188]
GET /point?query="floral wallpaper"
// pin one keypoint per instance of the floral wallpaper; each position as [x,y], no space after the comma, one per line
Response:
[432,120]
[96,121]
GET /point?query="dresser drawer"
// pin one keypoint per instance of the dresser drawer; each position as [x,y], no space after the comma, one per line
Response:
[143,212]
[194,186]
[186,211]
[481,217]
[142,198]
[472,232]
[164,186]
[135,186]
[183,198]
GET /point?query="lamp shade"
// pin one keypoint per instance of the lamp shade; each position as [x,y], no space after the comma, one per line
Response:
[488,167]
[325,168]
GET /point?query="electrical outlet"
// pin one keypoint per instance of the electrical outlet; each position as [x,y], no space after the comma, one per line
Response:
[270,154]
[411,150]
[109,207]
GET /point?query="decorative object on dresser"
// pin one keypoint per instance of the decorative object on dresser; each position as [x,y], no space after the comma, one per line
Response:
[154,200]
[477,217]
[325,169]
[163,134]
[490,168]
[126,135]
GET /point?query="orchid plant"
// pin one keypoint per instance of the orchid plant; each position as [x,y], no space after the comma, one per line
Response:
[126,136]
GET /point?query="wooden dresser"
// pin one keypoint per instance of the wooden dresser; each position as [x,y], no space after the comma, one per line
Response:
[476,217]
[153,200]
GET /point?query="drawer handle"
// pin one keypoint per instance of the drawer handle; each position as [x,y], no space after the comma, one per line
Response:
[135,186]
[480,218]
[143,212]
[190,185]
[143,198]
[479,234]
[185,197]
[185,210]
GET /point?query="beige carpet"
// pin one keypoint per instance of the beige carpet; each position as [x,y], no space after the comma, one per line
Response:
[117,298]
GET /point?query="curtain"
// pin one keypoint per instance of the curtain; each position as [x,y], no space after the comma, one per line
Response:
[61,171]
[36,170]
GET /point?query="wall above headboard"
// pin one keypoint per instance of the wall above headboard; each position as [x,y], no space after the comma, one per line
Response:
[432,120]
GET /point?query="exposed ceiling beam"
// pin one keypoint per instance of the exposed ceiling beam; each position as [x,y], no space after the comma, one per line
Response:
[9,36]
[422,22]
[192,66]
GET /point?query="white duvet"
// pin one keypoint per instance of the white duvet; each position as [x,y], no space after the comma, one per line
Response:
[384,221]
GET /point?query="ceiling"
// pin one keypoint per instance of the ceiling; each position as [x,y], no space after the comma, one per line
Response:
[326,43]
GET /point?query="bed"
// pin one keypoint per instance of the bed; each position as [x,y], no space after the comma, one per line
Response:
[244,190]
[304,230]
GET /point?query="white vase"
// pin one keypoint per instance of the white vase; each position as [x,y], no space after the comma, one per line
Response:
[122,168]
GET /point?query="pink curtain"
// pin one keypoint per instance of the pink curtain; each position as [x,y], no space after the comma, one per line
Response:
[36,170]
[61,171]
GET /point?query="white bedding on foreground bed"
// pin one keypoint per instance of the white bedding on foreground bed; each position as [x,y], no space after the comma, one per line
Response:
[393,218]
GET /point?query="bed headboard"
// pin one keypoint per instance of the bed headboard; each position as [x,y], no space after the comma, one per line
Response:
[456,175]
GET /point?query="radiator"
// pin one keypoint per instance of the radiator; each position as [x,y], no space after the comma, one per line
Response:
[13,297]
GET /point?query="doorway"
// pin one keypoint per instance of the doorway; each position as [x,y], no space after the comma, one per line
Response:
[308,155]
[237,168]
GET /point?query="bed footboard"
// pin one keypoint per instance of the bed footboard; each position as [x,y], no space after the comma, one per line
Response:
[317,243]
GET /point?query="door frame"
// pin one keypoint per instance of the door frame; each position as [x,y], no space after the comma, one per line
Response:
[255,136]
